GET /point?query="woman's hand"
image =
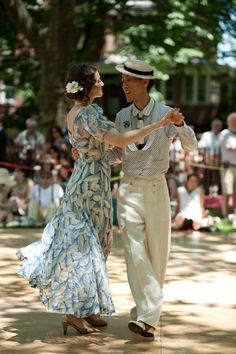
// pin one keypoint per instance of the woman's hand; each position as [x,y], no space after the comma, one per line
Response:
[74,153]
[173,116]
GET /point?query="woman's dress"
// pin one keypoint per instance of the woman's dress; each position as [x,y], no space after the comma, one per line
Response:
[68,263]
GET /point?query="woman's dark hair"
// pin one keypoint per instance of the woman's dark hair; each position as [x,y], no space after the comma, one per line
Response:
[84,75]
[190,175]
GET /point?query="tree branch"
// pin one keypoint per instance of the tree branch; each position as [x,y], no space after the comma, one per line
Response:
[23,21]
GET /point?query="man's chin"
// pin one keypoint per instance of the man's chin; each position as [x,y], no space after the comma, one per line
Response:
[128,99]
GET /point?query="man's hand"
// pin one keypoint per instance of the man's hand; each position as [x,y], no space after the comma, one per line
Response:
[74,153]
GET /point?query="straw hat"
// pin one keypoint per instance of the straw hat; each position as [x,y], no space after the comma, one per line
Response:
[5,178]
[136,68]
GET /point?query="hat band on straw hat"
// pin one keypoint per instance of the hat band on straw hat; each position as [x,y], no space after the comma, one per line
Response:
[138,72]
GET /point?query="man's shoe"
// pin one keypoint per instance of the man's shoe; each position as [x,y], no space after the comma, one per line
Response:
[141,328]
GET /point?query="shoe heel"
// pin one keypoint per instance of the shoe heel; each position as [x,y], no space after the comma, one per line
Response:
[65,326]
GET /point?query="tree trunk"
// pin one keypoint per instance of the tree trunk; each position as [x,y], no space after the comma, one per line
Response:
[54,41]
[55,56]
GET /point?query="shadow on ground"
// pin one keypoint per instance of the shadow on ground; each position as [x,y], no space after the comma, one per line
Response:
[199,313]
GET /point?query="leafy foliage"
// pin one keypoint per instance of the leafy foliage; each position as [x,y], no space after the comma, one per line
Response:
[40,38]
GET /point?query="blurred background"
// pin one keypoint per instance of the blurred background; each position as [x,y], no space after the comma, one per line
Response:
[191,44]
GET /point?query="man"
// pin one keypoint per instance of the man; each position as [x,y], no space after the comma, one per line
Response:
[228,158]
[143,199]
[209,146]
[30,142]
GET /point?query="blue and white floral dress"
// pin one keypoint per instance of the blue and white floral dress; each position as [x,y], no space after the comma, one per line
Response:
[68,263]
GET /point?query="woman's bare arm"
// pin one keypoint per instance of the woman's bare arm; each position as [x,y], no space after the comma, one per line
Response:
[113,137]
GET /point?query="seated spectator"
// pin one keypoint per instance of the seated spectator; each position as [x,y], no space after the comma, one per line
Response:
[45,198]
[190,211]
[6,184]
[20,193]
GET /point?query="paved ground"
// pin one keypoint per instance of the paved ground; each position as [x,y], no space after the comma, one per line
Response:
[199,313]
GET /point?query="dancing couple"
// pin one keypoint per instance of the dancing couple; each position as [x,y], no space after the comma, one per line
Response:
[68,263]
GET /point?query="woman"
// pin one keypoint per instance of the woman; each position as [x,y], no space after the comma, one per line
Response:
[190,211]
[68,263]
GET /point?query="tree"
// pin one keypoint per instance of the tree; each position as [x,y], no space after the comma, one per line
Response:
[49,35]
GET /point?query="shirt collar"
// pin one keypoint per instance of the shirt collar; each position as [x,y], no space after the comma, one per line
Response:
[145,111]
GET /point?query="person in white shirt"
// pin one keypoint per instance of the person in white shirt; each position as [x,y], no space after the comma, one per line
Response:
[190,211]
[44,199]
[209,147]
[143,198]
[228,158]
[30,143]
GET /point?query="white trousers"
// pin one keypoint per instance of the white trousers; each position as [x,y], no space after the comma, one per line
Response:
[144,219]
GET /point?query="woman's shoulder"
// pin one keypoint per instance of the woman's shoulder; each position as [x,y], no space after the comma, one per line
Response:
[95,109]
[92,110]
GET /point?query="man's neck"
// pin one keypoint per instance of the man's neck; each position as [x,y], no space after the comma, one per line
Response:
[142,102]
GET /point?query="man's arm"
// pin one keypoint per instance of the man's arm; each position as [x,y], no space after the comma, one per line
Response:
[185,134]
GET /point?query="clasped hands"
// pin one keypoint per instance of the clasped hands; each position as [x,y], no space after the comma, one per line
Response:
[173,116]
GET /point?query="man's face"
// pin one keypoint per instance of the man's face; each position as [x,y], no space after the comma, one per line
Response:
[133,87]
[216,127]
[46,179]
[31,128]
[232,123]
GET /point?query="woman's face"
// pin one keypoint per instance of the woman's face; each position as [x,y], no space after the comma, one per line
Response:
[96,90]
[192,183]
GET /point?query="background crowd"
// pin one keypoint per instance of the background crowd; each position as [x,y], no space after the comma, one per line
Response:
[34,170]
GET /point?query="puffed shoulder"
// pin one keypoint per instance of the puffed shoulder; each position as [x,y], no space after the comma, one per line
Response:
[91,118]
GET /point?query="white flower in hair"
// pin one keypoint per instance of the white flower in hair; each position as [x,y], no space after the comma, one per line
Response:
[73,87]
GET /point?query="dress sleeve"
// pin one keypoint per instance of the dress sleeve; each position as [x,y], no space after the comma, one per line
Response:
[92,120]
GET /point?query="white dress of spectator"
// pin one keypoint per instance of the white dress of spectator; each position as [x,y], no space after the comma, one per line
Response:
[190,203]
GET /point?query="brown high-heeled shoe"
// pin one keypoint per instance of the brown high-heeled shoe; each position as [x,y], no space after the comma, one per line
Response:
[96,321]
[77,323]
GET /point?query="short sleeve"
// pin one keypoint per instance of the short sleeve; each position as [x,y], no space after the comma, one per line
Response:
[92,120]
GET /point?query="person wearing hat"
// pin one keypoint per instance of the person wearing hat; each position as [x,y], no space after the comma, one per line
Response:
[68,263]
[143,199]
[6,184]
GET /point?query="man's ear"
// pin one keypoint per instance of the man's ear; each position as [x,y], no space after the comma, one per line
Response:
[145,82]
